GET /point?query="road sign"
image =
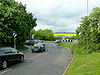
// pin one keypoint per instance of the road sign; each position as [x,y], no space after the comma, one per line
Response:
[33,36]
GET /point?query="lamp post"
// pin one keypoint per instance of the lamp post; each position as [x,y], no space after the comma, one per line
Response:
[14,34]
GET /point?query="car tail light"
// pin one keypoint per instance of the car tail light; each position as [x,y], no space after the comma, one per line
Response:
[39,47]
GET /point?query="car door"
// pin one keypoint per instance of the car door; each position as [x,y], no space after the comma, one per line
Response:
[8,55]
[15,53]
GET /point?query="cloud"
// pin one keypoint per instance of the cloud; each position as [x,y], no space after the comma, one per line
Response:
[59,15]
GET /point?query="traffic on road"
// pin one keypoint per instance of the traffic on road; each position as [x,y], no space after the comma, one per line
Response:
[9,55]
[50,62]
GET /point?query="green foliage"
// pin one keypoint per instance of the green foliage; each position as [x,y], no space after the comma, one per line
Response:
[74,47]
[85,65]
[21,47]
[46,34]
[89,31]
[14,18]
[58,37]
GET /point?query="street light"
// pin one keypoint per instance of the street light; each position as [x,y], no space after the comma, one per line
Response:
[14,34]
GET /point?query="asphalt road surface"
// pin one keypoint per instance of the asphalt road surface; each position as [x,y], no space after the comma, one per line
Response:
[51,62]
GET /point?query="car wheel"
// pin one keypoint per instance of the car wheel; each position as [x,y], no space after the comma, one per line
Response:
[4,64]
[32,51]
[21,58]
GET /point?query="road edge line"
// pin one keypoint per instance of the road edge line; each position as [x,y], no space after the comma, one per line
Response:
[66,67]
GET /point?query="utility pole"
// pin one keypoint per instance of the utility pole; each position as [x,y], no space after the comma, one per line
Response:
[87,7]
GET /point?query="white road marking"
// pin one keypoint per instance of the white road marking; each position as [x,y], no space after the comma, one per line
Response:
[66,67]
[6,70]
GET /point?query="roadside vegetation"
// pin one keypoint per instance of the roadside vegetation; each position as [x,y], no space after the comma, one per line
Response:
[89,32]
[14,19]
[86,51]
[46,34]
[82,64]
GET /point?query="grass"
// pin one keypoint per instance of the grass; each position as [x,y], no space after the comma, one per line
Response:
[83,64]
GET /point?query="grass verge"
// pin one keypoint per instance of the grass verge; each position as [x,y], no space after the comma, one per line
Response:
[83,64]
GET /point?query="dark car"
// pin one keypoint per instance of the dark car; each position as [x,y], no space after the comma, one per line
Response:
[31,42]
[9,55]
[38,47]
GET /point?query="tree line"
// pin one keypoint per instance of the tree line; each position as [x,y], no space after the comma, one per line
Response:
[46,34]
[89,32]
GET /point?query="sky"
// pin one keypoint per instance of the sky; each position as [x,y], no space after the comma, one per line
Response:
[59,15]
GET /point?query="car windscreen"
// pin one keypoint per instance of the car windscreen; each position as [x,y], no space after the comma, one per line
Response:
[37,45]
[14,50]
[7,50]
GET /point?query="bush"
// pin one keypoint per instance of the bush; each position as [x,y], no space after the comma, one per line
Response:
[21,48]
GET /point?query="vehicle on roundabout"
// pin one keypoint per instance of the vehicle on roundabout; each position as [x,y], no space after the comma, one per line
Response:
[42,42]
[58,41]
[31,42]
[38,47]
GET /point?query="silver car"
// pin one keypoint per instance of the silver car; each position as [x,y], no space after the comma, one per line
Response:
[38,47]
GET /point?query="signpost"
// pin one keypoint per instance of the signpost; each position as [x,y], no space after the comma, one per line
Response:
[14,34]
[33,36]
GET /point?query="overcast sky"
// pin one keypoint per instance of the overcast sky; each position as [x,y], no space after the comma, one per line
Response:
[59,15]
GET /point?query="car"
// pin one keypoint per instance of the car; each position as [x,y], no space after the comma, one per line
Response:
[42,42]
[31,42]
[58,41]
[38,47]
[10,55]
[27,42]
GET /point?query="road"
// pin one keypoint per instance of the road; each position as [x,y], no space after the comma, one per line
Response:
[51,62]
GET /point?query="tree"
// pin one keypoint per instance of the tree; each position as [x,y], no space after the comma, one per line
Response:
[14,18]
[89,31]
[46,34]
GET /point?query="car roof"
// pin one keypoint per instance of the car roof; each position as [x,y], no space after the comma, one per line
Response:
[38,44]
